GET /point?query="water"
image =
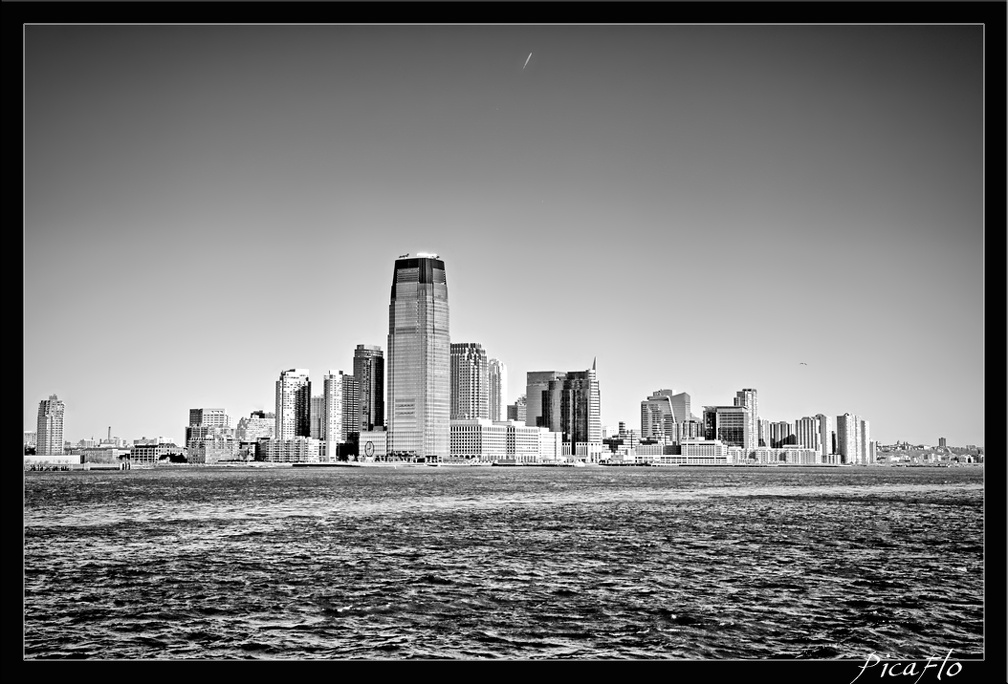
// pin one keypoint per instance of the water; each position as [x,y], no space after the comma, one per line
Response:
[516,563]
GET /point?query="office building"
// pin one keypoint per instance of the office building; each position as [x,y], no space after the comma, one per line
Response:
[331,432]
[49,428]
[808,433]
[369,371]
[942,443]
[497,389]
[747,398]
[469,382]
[729,425]
[419,363]
[659,418]
[536,383]
[570,405]
[293,392]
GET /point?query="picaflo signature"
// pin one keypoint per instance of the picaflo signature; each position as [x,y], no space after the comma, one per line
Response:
[898,669]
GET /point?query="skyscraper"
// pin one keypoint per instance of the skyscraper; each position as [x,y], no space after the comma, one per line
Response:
[747,398]
[469,380]
[729,424]
[293,395]
[848,436]
[658,416]
[49,429]
[369,370]
[570,405]
[536,383]
[419,364]
[332,410]
[351,408]
[497,381]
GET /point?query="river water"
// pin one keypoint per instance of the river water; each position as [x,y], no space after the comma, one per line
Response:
[513,563]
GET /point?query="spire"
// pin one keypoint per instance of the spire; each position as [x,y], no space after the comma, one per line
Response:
[594,361]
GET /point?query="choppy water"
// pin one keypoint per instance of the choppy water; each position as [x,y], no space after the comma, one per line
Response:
[519,563]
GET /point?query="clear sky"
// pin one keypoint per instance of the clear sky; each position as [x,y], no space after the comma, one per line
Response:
[702,208]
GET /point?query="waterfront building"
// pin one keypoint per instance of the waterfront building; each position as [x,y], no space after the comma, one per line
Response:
[295,450]
[49,428]
[478,440]
[331,430]
[151,454]
[497,389]
[728,424]
[419,363]
[704,451]
[293,391]
[210,430]
[864,443]
[373,445]
[369,372]
[259,424]
[764,433]
[469,381]
[571,406]
[517,410]
[30,439]
[747,398]
[847,437]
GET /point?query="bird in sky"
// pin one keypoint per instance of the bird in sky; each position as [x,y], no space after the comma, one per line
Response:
[527,61]
[802,364]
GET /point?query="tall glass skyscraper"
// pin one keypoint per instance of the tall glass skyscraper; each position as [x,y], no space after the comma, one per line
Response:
[419,359]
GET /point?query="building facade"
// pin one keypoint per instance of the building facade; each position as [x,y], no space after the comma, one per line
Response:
[293,395]
[747,398]
[369,371]
[517,410]
[49,427]
[259,424]
[658,416]
[470,395]
[419,363]
[571,405]
[497,389]
[729,425]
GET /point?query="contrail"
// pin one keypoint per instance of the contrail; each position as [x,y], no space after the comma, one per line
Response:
[527,61]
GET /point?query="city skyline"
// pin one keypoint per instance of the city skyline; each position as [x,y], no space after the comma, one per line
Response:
[830,206]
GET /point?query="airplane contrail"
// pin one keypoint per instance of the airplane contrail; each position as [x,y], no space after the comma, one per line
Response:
[527,61]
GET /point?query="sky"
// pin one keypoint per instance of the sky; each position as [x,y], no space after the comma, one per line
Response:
[703,208]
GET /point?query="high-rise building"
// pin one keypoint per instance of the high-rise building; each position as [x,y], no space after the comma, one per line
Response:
[536,383]
[728,424]
[827,432]
[316,416]
[419,363]
[808,433]
[747,397]
[942,443]
[351,408]
[49,429]
[848,432]
[497,388]
[658,416]
[369,371]
[469,382]
[864,443]
[571,406]
[293,393]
